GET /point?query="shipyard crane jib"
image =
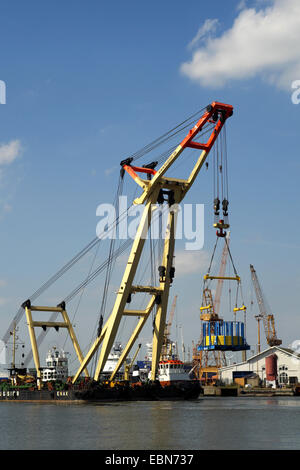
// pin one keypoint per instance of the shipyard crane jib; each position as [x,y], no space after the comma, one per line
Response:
[157,188]
[267,317]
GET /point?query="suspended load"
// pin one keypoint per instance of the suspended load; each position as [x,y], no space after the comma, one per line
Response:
[223,336]
[217,334]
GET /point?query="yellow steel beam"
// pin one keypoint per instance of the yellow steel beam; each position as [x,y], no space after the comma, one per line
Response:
[160,318]
[149,197]
[157,179]
[45,309]
[74,340]
[238,309]
[229,278]
[207,307]
[126,284]
[49,324]
[133,337]
[147,289]
[34,346]
[90,353]
[135,313]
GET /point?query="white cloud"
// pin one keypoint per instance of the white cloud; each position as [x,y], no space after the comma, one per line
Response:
[208,27]
[9,152]
[262,42]
[189,262]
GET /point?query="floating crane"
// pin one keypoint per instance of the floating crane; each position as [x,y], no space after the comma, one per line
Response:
[157,189]
[265,314]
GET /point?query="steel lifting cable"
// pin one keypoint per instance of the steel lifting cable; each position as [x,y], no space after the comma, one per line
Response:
[81,295]
[59,274]
[229,252]
[78,289]
[213,254]
[223,136]
[101,268]
[220,177]
[221,169]
[110,260]
[106,284]
[95,273]
[92,243]
[166,136]
[116,204]
[89,278]
[123,323]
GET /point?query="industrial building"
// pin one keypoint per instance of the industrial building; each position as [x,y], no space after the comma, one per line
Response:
[276,366]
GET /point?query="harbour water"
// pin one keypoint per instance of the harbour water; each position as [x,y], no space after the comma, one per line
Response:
[205,424]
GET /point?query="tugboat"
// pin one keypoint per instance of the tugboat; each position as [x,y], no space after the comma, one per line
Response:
[172,371]
[173,381]
[176,380]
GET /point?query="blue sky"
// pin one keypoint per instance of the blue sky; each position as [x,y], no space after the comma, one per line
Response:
[89,83]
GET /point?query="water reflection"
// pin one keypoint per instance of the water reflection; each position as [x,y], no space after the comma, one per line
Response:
[212,423]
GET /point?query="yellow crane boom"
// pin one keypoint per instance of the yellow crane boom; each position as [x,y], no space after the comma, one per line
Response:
[156,189]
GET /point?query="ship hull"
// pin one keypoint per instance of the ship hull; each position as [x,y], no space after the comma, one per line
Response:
[98,393]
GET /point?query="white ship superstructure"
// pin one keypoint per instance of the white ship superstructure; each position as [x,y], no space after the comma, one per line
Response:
[172,371]
[113,359]
[56,366]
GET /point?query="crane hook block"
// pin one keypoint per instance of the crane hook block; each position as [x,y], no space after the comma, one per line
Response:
[220,233]
[217,206]
[221,226]
[225,205]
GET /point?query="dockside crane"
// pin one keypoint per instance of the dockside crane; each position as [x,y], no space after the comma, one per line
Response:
[265,313]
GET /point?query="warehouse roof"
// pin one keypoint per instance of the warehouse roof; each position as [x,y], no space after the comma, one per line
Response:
[271,350]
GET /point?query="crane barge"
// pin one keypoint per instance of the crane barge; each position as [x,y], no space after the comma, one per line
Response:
[157,189]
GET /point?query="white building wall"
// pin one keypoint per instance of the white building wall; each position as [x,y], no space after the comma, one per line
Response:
[287,363]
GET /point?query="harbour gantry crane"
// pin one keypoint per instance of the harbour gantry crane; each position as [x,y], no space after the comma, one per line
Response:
[157,189]
[265,313]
